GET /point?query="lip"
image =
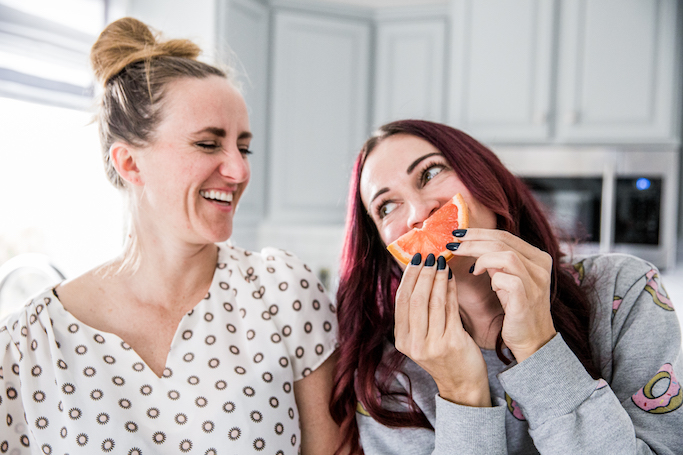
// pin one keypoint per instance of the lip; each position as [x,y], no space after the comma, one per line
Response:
[221,198]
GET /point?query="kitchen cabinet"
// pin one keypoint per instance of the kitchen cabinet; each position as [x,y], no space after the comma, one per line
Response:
[319,114]
[565,71]
[409,77]
[501,62]
[244,27]
[616,71]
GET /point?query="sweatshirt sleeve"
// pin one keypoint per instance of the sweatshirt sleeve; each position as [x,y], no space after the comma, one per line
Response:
[636,408]
[457,429]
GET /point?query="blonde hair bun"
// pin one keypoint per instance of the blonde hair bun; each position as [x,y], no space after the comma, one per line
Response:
[129,40]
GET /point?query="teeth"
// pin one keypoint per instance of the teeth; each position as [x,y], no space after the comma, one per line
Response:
[216,195]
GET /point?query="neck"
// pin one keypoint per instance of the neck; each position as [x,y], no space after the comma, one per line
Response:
[480,309]
[164,272]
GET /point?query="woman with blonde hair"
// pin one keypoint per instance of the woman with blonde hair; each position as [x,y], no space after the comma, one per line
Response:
[184,343]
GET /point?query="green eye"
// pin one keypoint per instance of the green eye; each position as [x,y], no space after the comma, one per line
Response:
[430,173]
[385,209]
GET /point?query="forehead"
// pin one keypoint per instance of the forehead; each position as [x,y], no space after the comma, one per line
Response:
[194,102]
[387,164]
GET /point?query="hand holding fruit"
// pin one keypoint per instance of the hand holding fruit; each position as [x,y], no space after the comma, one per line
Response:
[428,329]
[520,275]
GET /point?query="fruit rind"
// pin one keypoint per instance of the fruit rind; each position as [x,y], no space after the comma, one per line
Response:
[463,222]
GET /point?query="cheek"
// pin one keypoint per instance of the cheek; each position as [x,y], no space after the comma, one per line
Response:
[389,232]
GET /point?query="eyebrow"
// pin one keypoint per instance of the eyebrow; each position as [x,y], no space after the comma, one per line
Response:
[410,169]
[220,132]
[419,160]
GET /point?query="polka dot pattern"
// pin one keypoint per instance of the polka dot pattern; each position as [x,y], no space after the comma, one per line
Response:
[265,323]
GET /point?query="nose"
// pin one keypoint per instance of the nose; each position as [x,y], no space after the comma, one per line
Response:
[420,210]
[234,166]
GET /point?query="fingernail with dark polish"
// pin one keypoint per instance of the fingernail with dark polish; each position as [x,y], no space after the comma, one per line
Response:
[459,232]
[452,246]
[416,259]
[472,269]
[450,274]
[440,263]
[430,260]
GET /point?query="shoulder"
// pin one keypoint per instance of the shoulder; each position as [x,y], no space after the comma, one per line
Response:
[613,271]
[31,322]
[272,264]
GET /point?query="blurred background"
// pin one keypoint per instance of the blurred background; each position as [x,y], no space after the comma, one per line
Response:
[581,98]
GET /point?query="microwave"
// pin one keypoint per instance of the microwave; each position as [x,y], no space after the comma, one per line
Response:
[602,199]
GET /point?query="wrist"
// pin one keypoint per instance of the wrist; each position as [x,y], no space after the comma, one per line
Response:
[475,396]
[523,353]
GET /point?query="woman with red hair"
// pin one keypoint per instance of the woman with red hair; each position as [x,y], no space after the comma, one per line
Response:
[507,348]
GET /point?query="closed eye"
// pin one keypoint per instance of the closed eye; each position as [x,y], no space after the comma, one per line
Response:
[208,146]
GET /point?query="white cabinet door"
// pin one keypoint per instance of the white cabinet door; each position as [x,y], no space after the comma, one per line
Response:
[409,72]
[319,114]
[243,40]
[616,71]
[501,69]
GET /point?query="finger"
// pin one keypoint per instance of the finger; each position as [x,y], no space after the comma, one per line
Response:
[437,301]
[453,321]
[419,300]
[507,262]
[508,259]
[403,293]
[502,237]
[508,288]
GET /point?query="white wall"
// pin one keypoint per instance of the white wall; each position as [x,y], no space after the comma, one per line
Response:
[195,20]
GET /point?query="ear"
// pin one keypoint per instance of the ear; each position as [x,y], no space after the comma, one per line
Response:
[123,157]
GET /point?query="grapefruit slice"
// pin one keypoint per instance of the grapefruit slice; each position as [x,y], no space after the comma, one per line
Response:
[435,233]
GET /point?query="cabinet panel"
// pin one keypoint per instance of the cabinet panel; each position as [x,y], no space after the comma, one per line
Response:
[319,114]
[243,44]
[501,69]
[616,71]
[409,76]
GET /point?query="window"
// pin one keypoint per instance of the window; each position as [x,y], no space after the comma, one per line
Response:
[44,47]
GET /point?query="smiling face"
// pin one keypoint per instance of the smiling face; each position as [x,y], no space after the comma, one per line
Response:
[405,179]
[196,169]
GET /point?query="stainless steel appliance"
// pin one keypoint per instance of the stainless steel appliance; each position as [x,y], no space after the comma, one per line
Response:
[613,199]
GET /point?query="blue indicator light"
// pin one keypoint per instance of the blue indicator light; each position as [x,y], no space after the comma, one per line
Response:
[643,183]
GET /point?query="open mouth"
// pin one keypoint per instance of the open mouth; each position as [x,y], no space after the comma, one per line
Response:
[217,196]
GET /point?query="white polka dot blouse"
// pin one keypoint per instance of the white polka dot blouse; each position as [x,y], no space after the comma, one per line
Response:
[227,387]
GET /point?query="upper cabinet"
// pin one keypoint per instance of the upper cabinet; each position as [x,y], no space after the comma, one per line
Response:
[616,78]
[318,114]
[501,62]
[410,69]
[565,71]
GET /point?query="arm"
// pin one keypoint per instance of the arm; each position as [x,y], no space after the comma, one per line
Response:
[568,411]
[429,330]
[319,433]
[15,439]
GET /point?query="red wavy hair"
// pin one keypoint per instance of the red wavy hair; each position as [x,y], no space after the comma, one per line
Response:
[369,277]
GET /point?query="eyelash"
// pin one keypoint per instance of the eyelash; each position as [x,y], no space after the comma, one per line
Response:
[422,174]
[429,167]
[214,147]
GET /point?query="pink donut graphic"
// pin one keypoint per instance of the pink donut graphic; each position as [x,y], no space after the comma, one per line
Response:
[669,401]
[615,303]
[513,407]
[662,300]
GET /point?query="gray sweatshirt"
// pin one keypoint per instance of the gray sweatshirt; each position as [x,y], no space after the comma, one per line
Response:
[549,404]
